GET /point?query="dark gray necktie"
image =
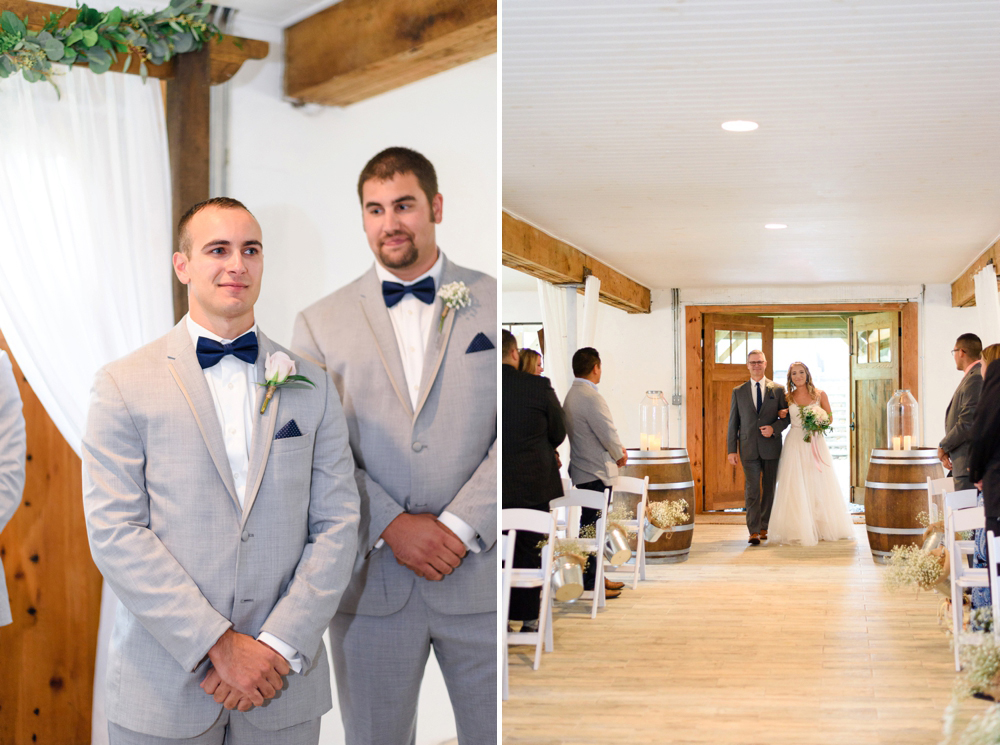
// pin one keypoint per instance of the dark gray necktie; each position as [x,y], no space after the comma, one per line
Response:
[759,400]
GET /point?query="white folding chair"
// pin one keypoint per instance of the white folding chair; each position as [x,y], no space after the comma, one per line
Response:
[633,485]
[993,549]
[567,518]
[595,500]
[533,521]
[507,557]
[938,488]
[957,519]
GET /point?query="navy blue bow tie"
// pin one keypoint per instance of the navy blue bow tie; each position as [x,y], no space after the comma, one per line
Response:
[210,351]
[423,290]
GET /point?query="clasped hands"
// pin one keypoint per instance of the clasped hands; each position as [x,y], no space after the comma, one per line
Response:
[424,545]
[245,672]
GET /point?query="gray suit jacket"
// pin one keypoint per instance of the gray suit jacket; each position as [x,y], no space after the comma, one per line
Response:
[441,456]
[958,421]
[593,439]
[167,532]
[12,450]
[745,422]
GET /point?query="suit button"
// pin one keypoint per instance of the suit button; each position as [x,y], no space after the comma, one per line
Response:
[417,447]
[246,536]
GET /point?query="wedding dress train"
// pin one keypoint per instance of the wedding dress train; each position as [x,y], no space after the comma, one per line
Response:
[808,504]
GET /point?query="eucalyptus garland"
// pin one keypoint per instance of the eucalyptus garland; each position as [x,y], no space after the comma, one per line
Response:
[96,39]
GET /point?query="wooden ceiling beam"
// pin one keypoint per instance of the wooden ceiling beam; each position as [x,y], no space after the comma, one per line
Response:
[963,289]
[529,250]
[226,57]
[360,48]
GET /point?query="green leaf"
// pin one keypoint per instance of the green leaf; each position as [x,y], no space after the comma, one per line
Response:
[302,378]
[70,57]
[183,43]
[4,72]
[89,37]
[41,37]
[128,62]
[12,24]
[54,49]
[99,60]
[143,72]
[176,27]
[32,76]
[103,43]
[75,36]
[121,48]
[114,17]
[88,17]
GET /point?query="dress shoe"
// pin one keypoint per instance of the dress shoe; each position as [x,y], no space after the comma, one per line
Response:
[609,585]
[609,594]
[754,539]
[763,535]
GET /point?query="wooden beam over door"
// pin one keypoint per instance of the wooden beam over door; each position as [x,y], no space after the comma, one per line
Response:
[963,289]
[359,48]
[529,250]
[226,56]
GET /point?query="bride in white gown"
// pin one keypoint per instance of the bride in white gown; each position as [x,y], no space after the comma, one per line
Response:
[808,504]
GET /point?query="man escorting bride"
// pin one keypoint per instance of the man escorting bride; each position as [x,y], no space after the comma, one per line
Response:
[808,503]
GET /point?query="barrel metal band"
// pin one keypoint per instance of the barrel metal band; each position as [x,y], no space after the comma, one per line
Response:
[657,554]
[903,455]
[678,528]
[881,553]
[890,462]
[675,485]
[655,461]
[895,531]
[900,487]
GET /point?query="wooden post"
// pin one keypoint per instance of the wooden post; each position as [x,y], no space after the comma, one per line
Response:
[188,107]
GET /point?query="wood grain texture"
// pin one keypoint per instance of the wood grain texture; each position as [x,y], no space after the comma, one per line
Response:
[227,56]
[529,250]
[359,48]
[46,690]
[674,545]
[694,362]
[738,645]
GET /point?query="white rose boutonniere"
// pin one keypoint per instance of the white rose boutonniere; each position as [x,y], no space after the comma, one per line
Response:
[279,369]
[455,295]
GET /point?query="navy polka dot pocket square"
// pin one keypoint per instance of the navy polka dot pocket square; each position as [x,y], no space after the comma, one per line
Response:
[289,430]
[480,343]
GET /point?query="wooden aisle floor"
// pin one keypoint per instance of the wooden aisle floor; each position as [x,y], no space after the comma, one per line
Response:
[747,645]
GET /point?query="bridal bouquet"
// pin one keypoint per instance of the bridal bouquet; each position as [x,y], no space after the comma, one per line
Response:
[815,420]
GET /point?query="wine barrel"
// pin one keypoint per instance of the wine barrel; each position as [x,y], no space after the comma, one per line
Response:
[895,493]
[670,479]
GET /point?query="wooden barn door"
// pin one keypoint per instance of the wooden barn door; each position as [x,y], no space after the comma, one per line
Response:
[46,690]
[875,375]
[728,339]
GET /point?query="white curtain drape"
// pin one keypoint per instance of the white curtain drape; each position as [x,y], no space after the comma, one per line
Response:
[988,304]
[85,243]
[557,359]
[591,300]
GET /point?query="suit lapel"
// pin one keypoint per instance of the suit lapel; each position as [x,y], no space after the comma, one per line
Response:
[183,365]
[437,345]
[263,427]
[375,313]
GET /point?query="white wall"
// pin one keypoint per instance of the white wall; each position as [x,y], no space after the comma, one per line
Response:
[297,169]
[637,350]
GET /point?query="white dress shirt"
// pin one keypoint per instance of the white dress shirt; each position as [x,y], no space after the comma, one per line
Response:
[754,384]
[234,390]
[413,321]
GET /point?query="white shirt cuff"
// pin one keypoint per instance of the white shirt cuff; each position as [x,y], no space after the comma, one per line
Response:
[291,656]
[465,532]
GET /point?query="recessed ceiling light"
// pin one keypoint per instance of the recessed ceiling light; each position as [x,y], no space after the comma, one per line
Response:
[775,226]
[739,126]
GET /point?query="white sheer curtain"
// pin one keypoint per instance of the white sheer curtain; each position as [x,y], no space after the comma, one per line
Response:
[84,244]
[557,354]
[988,303]
[591,300]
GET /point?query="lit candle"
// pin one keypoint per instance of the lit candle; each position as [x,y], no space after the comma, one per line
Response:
[643,441]
[654,442]
[895,443]
[906,442]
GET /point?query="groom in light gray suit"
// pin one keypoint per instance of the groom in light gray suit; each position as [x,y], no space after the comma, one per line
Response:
[755,430]
[418,383]
[227,533]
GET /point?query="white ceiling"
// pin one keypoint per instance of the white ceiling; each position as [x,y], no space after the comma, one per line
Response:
[879,139]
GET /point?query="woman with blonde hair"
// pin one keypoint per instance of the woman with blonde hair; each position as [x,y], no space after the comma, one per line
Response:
[530,362]
[808,504]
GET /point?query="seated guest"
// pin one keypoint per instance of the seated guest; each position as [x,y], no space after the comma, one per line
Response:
[532,429]
[530,361]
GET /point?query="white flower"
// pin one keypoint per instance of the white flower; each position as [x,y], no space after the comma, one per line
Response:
[455,295]
[277,368]
[821,416]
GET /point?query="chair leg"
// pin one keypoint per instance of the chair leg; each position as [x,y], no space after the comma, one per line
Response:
[544,624]
[549,645]
[956,623]
[506,665]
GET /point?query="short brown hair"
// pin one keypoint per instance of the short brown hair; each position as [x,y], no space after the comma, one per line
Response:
[395,160]
[509,342]
[990,355]
[223,203]
[585,360]
[971,344]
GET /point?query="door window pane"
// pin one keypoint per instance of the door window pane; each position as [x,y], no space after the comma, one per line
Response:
[722,347]
[755,341]
[884,346]
[739,356]
[862,346]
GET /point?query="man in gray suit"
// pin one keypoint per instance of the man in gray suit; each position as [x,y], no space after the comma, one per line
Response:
[954,447]
[418,382]
[595,452]
[226,528]
[755,431]
[12,452]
